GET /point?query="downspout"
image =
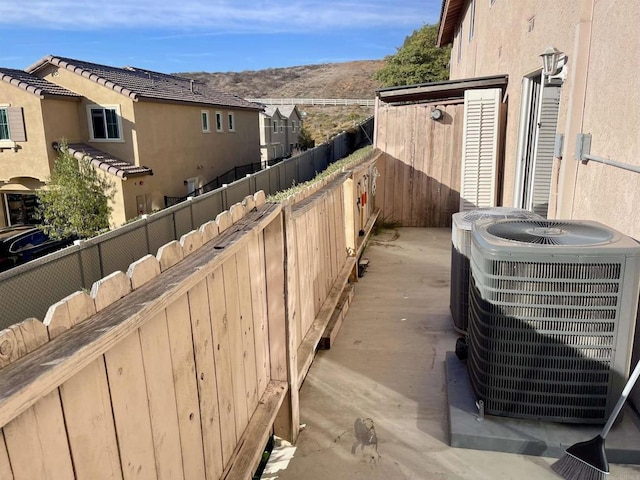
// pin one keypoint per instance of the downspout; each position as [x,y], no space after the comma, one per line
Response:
[566,188]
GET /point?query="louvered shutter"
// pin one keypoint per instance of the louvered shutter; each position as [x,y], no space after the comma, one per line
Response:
[543,160]
[16,124]
[480,149]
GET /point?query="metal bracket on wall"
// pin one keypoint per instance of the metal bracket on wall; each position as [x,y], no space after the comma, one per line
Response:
[583,150]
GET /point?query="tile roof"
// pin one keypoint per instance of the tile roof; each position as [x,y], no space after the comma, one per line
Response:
[33,84]
[107,162]
[139,84]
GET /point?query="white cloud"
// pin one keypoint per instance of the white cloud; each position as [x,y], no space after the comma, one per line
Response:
[223,15]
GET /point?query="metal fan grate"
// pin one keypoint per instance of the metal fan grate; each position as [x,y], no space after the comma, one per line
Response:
[549,232]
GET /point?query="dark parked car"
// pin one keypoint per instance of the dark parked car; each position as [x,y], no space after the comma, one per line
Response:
[21,243]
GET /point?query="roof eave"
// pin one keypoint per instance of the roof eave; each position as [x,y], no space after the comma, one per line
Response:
[51,60]
[435,91]
[257,108]
[449,17]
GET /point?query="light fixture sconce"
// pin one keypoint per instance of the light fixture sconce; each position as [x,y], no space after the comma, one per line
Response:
[436,114]
[550,58]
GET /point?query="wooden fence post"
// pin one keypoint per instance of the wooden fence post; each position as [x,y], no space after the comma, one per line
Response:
[282,321]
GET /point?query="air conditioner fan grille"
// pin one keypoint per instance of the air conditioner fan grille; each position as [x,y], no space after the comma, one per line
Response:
[549,232]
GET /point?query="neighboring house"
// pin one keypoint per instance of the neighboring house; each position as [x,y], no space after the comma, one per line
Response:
[156,135]
[279,130]
[294,123]
[34,113]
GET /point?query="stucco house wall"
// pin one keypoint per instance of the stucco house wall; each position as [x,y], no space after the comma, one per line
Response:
[599,95]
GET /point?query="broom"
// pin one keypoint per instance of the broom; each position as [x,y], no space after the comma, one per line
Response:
[588,460]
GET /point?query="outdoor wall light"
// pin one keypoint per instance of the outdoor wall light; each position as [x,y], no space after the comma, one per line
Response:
[550,59]
[436,114]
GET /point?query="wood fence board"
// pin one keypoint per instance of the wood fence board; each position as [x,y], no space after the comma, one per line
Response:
[249,452]
[86,401]
[154,340]
[36,440]
[409,177]
[127,385]
[259,308]
[275,277]
[186,387]
[315,256]
[307,349]
[424,152]
[207,382]
[380,192]
[236,346]
[222,356]
[334,218]
[37,444]
[246,322]
[305,297]
[287,423]
[5,464]
[91,431]
[399,118]
[11,349]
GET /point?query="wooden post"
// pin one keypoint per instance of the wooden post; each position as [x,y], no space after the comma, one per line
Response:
[281,314]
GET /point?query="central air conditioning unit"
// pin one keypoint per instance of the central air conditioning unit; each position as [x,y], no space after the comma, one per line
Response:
[461,224]
[552,310]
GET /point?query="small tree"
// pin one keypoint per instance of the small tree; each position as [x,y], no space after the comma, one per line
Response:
[305,139]
[76,200]
[417,61]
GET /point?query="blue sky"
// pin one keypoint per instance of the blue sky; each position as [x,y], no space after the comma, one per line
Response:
[208,35]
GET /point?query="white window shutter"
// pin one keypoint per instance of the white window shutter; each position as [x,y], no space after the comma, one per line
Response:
[480,147]
[16,124]
[545,142]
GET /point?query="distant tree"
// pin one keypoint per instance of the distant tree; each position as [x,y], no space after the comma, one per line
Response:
[76,200]
[305,139]
[417,61]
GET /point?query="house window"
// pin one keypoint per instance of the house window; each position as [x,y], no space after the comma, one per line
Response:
[218,122]
[293,125]
[281,127]
[472,19]
[206,126]
[275,126]
[232,125]
[105,122]
[4,125]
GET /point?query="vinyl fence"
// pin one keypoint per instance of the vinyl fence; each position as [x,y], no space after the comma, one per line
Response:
[182,367]
[28,290]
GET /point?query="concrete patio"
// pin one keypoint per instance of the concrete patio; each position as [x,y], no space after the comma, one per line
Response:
[388,365]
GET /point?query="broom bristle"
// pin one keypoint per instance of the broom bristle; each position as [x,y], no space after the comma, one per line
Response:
[572,468]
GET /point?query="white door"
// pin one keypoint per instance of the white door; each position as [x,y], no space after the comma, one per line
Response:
[538,124]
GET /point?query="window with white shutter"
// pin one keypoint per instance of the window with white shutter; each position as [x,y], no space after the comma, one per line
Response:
[480,148]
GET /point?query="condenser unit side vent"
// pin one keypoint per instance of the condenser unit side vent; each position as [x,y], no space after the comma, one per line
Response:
[552,308]
[462,223]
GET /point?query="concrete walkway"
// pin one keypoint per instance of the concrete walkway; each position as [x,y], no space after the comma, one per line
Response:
[387,365]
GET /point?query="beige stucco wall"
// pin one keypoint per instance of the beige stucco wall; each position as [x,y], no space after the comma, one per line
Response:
[95,94]
[599,96]
[31,158]
[172,143]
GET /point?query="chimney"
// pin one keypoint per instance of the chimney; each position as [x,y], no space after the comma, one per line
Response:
[191,86]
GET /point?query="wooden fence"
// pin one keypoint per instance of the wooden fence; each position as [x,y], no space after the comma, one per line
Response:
[182,367]
[419,181]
